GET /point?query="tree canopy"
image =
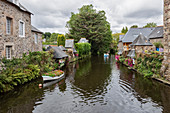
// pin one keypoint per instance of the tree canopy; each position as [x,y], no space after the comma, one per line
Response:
[92,25]
[152,24]
[134,26]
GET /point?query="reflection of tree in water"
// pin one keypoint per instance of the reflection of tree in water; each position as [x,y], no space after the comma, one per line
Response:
[145,88]
[90,82]
[21,100]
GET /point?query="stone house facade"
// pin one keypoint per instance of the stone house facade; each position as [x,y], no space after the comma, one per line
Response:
[16,36]
[156,35]
[165,70]
[37,39]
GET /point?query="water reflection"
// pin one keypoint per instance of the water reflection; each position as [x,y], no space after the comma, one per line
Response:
[92,88]
[96,85]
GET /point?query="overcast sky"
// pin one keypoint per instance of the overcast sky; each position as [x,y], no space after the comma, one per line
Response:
[52,15]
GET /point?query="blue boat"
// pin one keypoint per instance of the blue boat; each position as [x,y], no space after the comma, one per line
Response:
[106,55]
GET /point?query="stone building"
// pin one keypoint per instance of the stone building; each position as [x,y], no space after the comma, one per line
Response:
[132,34]
[165,70]
[141,43]
[156,35]
[16,36]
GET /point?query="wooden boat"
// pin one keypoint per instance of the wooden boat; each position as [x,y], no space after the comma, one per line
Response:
[48,78]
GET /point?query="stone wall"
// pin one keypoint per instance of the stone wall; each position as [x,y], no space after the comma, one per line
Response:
[19,44]
[165,70]
[36,46]
[157,40]
[141,49]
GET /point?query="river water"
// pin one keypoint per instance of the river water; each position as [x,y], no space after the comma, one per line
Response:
[95,85]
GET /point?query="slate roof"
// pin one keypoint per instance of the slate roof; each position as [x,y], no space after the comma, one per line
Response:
[131,53]
[20,6]
[58,53]
[156,33]
[62,48]
[34,29]
[69,43]
[83,40]
[121,37]
[141,40]
[131,35]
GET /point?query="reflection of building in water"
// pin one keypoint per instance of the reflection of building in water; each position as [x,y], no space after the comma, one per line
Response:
[71,71]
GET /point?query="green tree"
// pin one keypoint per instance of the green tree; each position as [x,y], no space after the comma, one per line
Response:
[91,24]
[134,26]
[61,40]
[150,25]
[124,30]
[46,35]
[53,37]
[115,40]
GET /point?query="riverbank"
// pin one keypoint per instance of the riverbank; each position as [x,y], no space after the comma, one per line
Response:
[149,60]
[18,71]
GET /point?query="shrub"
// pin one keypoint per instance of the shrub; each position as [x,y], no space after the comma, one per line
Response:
[21,70]
[158,45]
[83,48]
[149,65]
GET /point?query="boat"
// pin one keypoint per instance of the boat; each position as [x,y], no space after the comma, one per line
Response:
[106,55]
[57,78]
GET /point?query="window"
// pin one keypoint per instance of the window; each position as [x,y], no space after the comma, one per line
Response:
[36,38]
[21,29]
[8,51]
[8,25]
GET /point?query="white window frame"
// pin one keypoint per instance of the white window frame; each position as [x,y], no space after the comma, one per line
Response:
[8,25]
[36,38]
[8,52]
[23,28]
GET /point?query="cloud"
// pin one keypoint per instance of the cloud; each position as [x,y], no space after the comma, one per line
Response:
[53,15]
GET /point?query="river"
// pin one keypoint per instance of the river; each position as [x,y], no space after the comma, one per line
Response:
[94,85]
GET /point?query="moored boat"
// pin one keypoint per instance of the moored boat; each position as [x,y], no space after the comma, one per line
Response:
[106,55]
[49,78]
